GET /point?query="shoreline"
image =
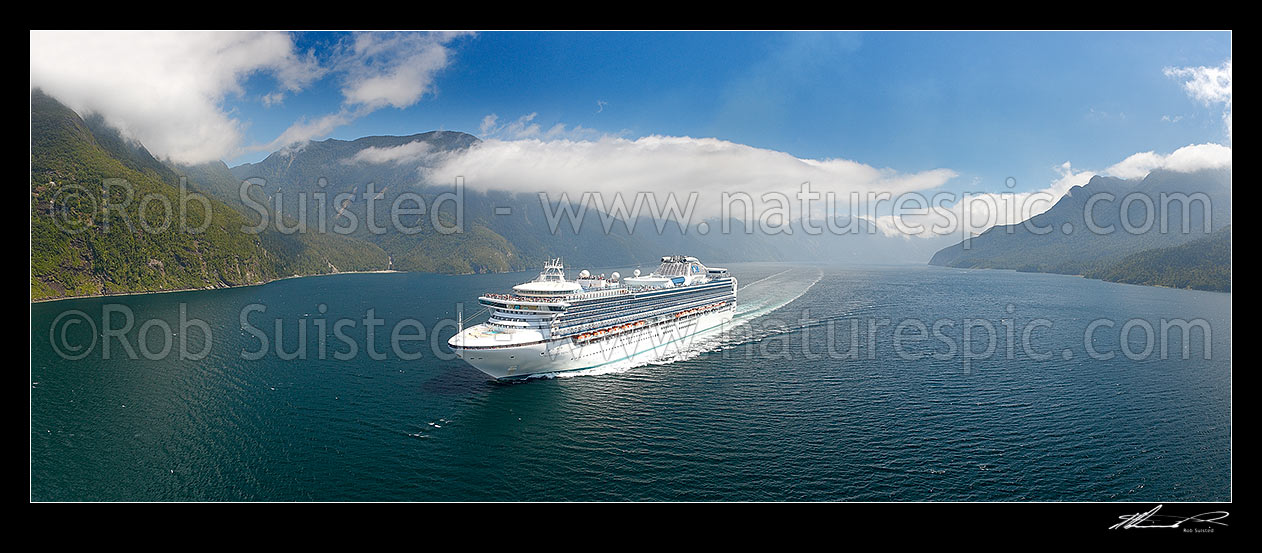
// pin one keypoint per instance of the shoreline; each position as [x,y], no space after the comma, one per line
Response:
[259,284]
[1084,277]
[151,292]
[387,271]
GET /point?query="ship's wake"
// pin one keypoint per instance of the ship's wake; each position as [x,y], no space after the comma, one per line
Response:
[755,300]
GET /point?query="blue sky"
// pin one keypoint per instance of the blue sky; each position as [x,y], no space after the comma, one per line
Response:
[961,112]
[987,105]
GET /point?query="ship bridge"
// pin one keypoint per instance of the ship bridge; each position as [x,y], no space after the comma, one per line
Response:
[550,283]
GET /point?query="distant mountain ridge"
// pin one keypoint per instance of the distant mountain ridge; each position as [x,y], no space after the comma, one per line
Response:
[338,166]
[332,160]
[1061,240]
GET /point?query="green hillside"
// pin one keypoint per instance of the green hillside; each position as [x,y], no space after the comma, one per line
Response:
[81,247]
[106,219]
[1203,264]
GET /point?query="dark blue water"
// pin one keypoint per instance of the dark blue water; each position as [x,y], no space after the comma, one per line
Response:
[786,407]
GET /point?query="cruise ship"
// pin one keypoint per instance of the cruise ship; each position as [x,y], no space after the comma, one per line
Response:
[552,324]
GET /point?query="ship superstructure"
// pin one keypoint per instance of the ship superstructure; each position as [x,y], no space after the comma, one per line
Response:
[551,324]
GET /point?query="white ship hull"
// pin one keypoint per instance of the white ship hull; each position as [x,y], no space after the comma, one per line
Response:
[633,347]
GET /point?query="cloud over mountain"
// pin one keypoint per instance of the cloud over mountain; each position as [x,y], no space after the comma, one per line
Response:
[1184,160]
[665,165]
[166,89]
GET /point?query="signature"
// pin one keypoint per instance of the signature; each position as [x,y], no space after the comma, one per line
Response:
[1151,519]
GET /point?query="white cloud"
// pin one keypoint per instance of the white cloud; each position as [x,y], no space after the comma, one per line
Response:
[978,212]
[525,127]
[165,89]
[273,99]
[378,70]
[661,165]
[973,213]
[577,132]
[488,125]
[393,69]
[304,130]
[1209,85]
[1184,160]
[404,153]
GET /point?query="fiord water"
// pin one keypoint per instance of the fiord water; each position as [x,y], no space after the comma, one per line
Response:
[825,388]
